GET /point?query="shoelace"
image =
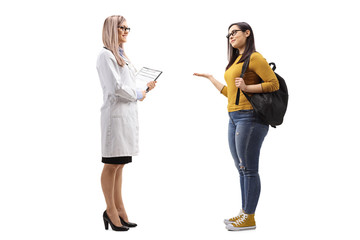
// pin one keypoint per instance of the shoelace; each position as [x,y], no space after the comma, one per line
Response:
[241,220]
[234,219]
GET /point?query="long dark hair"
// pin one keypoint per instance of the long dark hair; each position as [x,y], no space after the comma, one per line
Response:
[233,53]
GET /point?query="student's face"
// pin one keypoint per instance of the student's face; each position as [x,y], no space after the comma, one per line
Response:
[122,32]
[238,38]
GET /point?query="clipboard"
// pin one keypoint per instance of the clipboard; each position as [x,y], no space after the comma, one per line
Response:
[146,75]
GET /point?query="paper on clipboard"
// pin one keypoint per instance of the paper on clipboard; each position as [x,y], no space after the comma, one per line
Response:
[146,75]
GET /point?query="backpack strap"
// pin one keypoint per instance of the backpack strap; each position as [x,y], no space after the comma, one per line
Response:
[244,68]
[273,66]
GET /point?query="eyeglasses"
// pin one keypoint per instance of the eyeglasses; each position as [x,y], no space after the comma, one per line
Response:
[124,29]
[233,33]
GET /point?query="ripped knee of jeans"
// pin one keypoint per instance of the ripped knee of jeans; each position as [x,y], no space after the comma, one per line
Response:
[242,167]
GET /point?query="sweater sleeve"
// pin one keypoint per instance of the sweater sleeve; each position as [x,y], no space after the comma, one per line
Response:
[224,91]
[261,67]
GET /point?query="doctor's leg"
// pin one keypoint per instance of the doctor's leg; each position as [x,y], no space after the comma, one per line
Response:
[118,195]
[108,184]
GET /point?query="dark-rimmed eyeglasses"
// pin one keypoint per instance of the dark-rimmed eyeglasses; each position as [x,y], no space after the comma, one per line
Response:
[233,33]
[124,29]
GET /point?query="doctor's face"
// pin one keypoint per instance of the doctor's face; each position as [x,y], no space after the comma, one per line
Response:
[123,31]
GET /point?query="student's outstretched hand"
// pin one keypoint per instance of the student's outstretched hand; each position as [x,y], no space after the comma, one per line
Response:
[205,75]
[219,86]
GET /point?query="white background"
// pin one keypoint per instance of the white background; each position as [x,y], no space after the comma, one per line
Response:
[184,182]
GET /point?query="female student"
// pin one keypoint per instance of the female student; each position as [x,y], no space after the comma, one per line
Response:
[246,131]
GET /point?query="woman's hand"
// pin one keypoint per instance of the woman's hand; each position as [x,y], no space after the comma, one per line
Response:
[240,83]
[205,75]
[144,95]
[151,85]
[219,86]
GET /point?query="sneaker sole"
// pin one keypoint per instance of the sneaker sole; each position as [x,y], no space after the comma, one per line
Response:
[232,228]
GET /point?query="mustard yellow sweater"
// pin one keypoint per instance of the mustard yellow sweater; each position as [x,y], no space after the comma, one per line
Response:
[258,68]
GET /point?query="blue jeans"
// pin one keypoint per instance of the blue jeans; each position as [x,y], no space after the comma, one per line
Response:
[246,135]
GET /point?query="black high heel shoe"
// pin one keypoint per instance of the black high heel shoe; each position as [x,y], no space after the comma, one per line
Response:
[127,224]
[115,228]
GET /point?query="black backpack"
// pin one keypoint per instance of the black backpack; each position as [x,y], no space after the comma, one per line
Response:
[270,107]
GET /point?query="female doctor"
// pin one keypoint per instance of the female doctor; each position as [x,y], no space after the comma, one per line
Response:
[119,118]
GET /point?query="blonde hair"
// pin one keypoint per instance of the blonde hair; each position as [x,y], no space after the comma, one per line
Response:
[110,36]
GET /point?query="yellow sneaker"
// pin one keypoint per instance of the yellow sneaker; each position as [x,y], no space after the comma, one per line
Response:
[234,219]
[246,222]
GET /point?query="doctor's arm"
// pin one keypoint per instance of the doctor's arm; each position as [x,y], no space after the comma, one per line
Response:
[151,85]
[121,90]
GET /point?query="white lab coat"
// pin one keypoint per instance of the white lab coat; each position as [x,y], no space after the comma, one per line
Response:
[119,115]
